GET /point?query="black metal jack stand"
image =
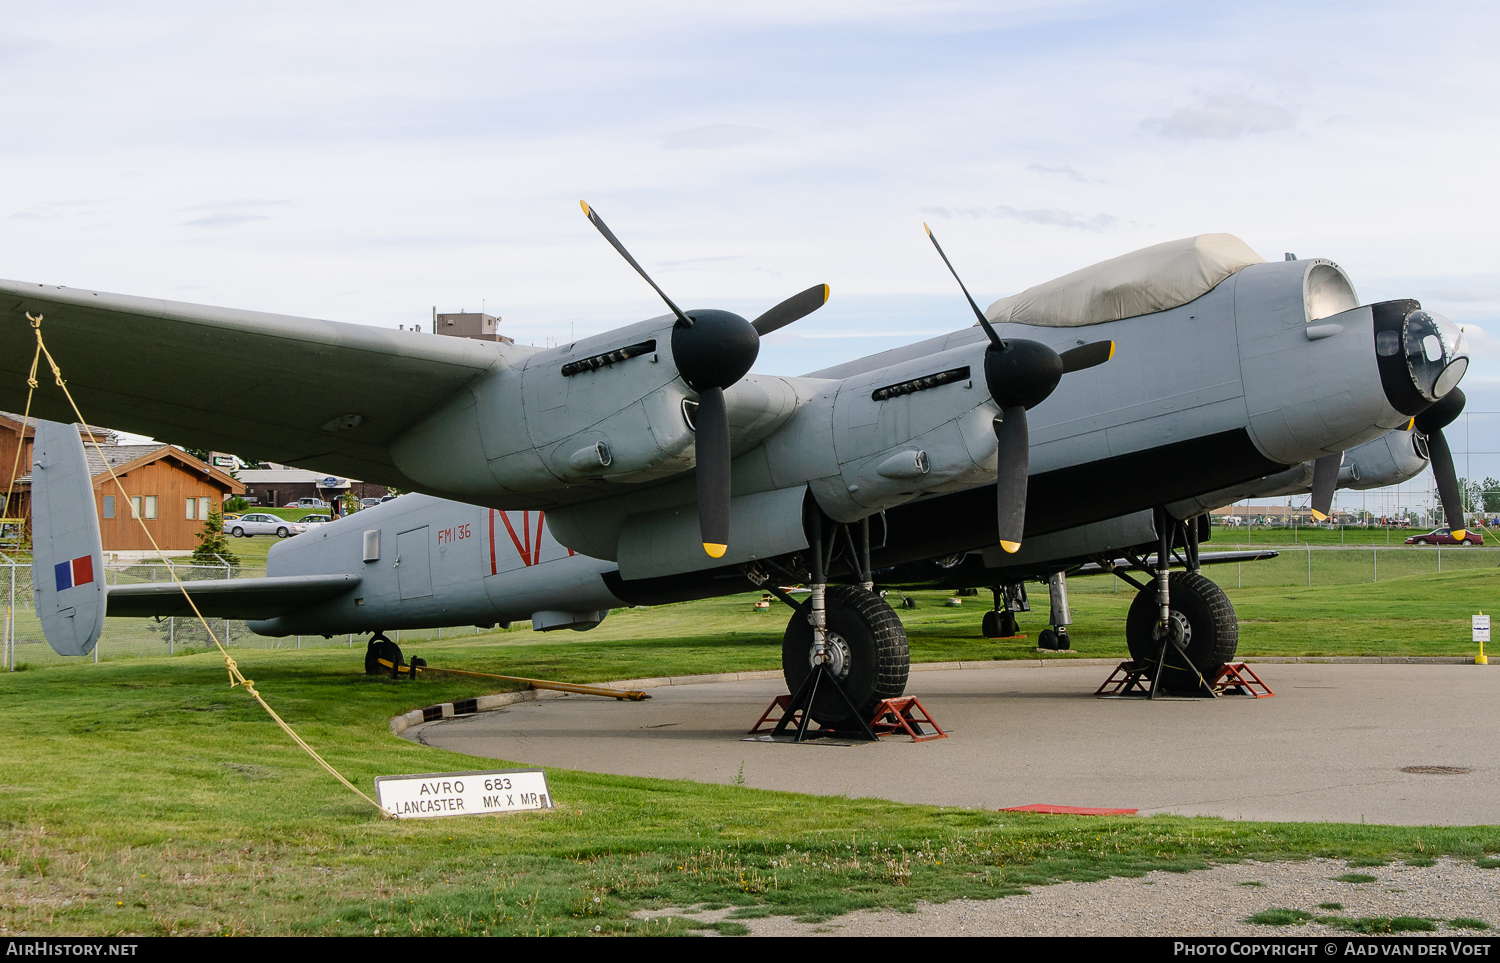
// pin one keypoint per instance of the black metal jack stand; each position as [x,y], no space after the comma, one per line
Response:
[802,701]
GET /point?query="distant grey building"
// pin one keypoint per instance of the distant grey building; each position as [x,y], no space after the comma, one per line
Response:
[481,327]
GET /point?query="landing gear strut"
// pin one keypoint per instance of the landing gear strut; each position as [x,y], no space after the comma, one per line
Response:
[845,650]
[1059,617]
[1181,625]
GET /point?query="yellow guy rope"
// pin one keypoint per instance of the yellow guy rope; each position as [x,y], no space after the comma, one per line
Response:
[235,676]
[31,389]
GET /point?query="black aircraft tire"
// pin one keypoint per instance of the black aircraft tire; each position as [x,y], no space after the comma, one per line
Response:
[379,648]
[879,659]
[1046,639]
[990,627]
[1210,615]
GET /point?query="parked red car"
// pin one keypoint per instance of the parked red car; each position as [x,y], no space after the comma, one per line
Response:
[1444,536]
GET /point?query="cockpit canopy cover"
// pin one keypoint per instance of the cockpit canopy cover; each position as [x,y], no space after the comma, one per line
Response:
[1152,279]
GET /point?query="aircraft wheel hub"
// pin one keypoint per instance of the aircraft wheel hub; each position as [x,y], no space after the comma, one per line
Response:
[1179,627]
[837,654]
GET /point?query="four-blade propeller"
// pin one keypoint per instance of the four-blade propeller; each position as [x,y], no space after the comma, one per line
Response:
[1020,374]
[712,350]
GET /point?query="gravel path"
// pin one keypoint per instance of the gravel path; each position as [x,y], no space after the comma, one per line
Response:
[1210,903]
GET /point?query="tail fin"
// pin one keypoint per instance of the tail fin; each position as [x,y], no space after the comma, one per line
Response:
[67,562]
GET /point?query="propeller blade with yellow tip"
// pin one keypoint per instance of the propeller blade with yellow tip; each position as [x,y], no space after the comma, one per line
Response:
[1325,479]
[609,236]
[712,431]
[1431,424]
[1087,355]
[794,308]
[1014,453]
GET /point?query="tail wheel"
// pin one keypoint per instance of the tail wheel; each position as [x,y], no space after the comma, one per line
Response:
[868,647]
[1201,612]
[379,648]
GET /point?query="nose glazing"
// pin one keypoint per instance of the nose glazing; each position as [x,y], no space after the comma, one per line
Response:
[1421,355]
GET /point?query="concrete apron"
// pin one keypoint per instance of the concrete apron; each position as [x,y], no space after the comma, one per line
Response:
[1330,746]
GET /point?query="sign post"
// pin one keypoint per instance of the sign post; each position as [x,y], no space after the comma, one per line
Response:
[1481,635]
[463,793]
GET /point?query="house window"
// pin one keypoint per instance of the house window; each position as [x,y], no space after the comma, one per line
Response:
[203,509]
[109,506]
[135,506]
[192,508]
[150,506]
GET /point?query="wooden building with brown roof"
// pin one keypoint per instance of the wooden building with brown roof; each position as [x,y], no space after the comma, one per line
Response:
[165,487]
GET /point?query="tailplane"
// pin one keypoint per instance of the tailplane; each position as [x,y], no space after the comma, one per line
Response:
[67,562]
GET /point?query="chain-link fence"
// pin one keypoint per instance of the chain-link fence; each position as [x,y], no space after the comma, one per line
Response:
[1326,565]
[22,642]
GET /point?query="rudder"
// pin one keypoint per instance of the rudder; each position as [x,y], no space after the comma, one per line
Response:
[67,561]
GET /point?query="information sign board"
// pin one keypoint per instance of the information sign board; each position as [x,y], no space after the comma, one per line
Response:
[463,793]
[1481,628]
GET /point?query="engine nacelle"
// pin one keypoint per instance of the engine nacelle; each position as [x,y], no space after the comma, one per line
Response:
[565,423]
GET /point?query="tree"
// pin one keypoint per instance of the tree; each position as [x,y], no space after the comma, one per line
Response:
[1491,495]
[213,544]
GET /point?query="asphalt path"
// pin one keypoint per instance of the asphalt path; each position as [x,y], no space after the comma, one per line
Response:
[1331,745]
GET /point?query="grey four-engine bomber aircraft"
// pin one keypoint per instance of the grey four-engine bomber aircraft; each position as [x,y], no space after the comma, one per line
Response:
[646,464]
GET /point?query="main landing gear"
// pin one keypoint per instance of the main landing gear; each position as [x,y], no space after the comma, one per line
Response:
[844,651]
[1181,627]
[865,652]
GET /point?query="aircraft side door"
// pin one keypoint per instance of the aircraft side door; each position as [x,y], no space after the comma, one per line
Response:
[414,563]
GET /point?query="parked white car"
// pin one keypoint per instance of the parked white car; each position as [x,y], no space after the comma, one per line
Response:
[256,523]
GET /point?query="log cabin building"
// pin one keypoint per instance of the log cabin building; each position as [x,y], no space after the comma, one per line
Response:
[168,489]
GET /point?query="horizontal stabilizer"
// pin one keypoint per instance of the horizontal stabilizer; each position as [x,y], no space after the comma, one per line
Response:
[1204,558]
[229,598]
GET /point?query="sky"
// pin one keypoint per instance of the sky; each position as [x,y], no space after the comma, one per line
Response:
[369,162]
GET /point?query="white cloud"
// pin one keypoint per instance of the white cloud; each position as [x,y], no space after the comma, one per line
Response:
[1221,116]
[1046,216]
[1462,295]
[224,220]
[1048,169]
[714,137]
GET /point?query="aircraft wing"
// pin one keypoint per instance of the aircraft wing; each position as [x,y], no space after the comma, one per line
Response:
[228,598]
[320,394]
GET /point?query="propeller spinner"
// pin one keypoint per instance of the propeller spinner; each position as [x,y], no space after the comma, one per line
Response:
[1020,374]
[712,351]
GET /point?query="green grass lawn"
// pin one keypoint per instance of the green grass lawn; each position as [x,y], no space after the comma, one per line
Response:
[143,795]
